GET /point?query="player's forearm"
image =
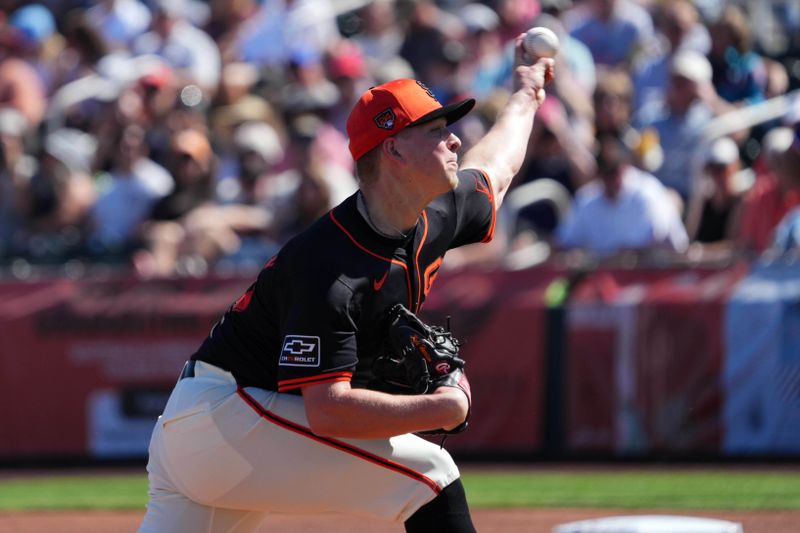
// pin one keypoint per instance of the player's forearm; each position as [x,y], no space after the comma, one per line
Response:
[501,151]
[339,411]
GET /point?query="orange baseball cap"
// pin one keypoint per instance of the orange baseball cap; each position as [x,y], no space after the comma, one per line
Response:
[385,110]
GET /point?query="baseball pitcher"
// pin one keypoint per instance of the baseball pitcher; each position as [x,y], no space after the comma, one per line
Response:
[308,394]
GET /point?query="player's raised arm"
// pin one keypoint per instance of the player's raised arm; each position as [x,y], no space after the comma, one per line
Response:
[501,151]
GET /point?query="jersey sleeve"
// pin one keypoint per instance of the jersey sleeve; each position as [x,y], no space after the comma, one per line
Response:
[475,211]
[318,336]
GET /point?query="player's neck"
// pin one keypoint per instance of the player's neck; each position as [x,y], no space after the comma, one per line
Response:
[388,215]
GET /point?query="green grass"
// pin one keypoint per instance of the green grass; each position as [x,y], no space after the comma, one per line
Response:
[636,490]
[630,490]
[73,492]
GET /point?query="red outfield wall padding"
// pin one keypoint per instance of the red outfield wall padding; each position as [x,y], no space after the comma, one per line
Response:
[85,366]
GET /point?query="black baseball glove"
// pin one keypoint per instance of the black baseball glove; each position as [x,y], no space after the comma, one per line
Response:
[420,359]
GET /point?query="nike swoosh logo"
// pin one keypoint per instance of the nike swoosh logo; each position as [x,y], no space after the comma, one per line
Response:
[377,284]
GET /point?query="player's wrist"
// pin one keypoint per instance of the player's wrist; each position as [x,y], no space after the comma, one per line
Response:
[457,405]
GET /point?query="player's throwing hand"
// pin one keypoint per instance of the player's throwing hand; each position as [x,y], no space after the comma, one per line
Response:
[532,76]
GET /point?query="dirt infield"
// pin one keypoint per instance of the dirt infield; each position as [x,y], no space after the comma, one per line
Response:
[486,520]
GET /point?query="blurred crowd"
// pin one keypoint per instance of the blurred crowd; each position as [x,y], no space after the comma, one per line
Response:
[181,137]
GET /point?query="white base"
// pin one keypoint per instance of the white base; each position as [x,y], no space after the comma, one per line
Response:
[650,524]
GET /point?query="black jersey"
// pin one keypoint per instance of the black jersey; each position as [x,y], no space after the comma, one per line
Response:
[317,311]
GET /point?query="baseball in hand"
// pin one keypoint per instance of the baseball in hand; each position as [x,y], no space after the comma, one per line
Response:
[540,42]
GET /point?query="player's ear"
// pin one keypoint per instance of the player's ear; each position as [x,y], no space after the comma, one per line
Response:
[391,149]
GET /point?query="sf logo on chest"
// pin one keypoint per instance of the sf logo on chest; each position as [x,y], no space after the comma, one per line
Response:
[300,350]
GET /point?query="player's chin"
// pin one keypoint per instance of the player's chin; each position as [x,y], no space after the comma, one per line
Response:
[452,174]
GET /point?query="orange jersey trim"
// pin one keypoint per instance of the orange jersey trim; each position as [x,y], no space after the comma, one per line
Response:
[373,254]
[296,383]
[430,275]
[337,444]
[416,259]
[490,194]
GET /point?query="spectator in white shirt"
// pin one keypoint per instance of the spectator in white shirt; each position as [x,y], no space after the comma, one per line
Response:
[133,186]
[623,209]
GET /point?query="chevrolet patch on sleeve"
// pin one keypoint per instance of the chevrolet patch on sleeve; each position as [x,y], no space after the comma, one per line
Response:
[300,350]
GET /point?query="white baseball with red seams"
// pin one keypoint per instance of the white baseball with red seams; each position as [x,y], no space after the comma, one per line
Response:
[540,42]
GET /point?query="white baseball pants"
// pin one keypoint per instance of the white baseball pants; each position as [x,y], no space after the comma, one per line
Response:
[222,457]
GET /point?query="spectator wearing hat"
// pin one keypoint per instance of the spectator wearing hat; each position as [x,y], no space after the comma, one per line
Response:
[347,68]
[238,230]
[279,189]
[269,207]
[226,117]
[145,99]
[191,229]
[165,237]
[36,39]
[191,163]
[714,208]
[158,89]
[622,209]
[34,24]
[309,93]
[689,105]
[307,89]
[224,120]
[256,151]
[679,28]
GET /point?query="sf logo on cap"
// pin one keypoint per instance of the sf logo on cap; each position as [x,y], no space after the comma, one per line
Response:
[425,88]
[385,119]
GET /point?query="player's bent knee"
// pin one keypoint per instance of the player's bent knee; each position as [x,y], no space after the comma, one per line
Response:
[438,465]
[448,513]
